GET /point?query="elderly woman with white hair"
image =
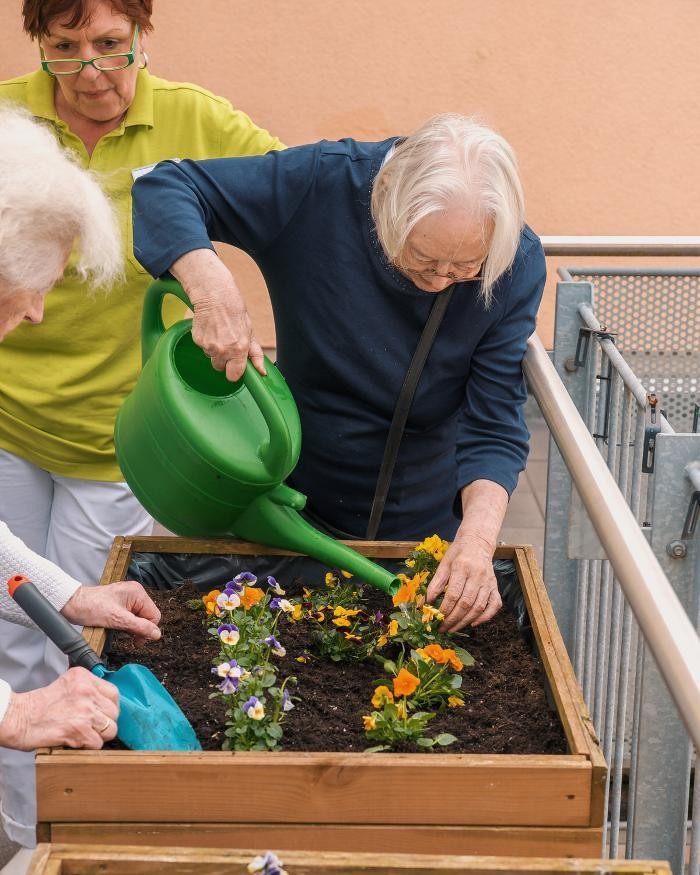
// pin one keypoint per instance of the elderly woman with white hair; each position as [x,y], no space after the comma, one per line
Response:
[47,205]
[363,247]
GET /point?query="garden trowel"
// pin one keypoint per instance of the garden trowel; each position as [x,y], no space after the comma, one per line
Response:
[149,718]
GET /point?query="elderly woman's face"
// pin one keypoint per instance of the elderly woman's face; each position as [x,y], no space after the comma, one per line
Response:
[444,248]
[25,305]
[95,95]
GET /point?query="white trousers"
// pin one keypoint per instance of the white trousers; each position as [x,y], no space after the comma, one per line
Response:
[72,522]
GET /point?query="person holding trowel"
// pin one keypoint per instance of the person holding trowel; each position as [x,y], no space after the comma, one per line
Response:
[40,220]
[364,247]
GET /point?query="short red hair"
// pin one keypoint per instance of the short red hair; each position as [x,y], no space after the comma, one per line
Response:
[38,15]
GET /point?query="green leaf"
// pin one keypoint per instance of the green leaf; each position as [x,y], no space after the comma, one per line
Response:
[425,742]
[274,730]
[377,748]
[456,681]
[464,655]
[445,738]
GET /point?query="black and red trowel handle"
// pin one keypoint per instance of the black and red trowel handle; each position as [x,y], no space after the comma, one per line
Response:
[53,624]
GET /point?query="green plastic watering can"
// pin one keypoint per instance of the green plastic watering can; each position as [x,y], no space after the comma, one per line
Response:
[149,718]
[207,457]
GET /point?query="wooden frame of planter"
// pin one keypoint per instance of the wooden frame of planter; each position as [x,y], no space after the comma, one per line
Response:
[122,860]
[520,805]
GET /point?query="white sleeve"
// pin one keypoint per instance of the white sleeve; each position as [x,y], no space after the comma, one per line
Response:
[17,558]
[4,698]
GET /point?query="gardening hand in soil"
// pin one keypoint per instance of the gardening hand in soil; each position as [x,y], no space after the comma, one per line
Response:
[465,574]
[125,605]
[77,710]
[221,325]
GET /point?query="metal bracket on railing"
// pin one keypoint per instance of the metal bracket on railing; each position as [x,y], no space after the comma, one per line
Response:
[691,517]
[696,417]
[584,341]
[650,433]
[608,399]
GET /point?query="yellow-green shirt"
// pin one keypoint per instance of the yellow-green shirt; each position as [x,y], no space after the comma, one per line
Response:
[62,382]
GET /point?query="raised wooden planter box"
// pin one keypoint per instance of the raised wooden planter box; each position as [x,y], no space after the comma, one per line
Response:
[120,860]
[521,805]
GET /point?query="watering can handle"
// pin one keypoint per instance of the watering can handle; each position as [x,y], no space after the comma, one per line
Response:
[53,624]
[277,453]
[152,326]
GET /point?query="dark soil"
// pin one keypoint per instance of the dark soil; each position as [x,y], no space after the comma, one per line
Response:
[506,707]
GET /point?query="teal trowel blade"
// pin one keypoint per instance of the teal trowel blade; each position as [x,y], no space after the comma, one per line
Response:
[149,717]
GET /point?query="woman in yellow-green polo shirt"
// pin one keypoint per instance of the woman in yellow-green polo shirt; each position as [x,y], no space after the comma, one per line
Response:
[61,382]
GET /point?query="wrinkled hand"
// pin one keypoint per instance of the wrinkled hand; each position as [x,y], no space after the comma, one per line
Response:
[125,605]
[466,577]
[77,710]
[221,325]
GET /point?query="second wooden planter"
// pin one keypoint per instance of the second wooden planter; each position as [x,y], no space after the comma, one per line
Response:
[549,805]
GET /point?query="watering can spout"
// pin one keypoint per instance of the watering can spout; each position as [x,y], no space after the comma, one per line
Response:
[274,519]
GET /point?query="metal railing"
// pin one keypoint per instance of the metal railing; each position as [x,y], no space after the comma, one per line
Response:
[662,619]
[618,485]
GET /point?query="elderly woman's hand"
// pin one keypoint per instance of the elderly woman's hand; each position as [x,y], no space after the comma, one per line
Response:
[77,710]
[124,605]
[465,575]
[221,325]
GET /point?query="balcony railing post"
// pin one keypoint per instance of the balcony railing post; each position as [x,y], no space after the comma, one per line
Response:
[663,750]
[561,572]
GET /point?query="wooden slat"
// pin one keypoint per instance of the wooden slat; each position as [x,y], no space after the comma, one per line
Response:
[319,787]
[513,841]
[79,859]
[560,673]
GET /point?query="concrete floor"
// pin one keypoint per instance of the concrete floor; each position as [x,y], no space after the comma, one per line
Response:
[524,522]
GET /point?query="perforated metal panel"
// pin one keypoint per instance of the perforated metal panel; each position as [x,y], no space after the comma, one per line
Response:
[655,315]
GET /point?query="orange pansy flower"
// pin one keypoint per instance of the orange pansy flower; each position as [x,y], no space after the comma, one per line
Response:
[405,683]
[250,596]
[381,695]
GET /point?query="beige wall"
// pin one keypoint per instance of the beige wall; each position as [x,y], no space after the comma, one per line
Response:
[600,99]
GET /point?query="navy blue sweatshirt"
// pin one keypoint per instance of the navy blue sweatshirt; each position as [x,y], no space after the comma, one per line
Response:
[347,324]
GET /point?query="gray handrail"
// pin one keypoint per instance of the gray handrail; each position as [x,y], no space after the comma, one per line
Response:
[665,625]
[620,245]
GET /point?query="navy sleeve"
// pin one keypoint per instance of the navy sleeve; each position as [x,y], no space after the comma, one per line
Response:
[492,438]
[247,202]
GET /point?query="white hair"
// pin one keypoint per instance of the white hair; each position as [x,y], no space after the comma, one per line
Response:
[47,201]
[452,161]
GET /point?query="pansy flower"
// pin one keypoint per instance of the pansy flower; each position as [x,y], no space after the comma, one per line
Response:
[245,577]
[254,708]
[341,621]
[274,645]
[267,864]
[228,601]
[250,596]
[233,586]
[287,703]
[297,612]
[430,613]
[455,702]
[209,601]
[230,674]
[228,633]
[381,696]
[278,604]
[350,637]
[369,721]
[274,586]
[405,683]
[330,579]
[408,590]
[393,628]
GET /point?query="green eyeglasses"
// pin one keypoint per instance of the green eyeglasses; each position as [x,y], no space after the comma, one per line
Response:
[71,66]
